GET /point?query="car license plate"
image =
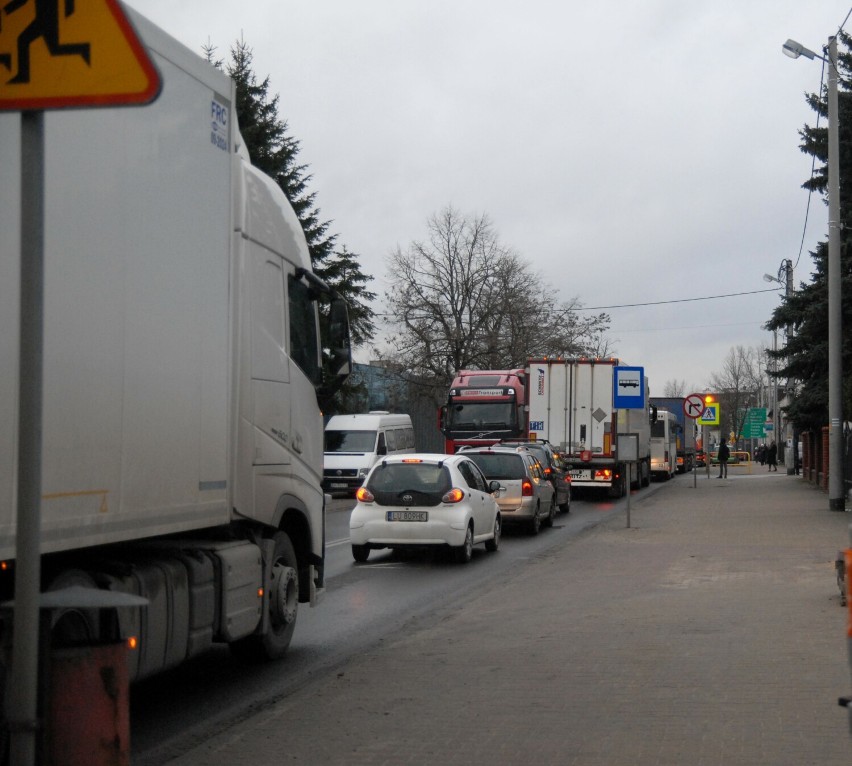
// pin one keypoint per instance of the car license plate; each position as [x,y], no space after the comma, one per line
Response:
[581,474]
[408,516]
[338,486]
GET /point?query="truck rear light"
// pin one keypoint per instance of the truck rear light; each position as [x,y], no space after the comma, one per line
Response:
[363,495]
[603,474]
[526,488]
[455,495]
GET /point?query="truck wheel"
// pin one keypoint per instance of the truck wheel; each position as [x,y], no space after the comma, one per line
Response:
[617,490]
[74,626]
[282,603]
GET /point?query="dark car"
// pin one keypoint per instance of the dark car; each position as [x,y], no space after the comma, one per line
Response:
[554,469]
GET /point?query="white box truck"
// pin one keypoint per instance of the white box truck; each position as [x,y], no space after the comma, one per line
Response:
[182,434]
[571,405]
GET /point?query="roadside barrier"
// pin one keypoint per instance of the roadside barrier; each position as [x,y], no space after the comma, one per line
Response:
[738,459]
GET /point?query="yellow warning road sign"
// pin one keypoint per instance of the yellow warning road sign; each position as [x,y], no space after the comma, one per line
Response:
[710,416]
[71,53]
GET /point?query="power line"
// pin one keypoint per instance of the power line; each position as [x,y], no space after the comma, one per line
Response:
[679,300]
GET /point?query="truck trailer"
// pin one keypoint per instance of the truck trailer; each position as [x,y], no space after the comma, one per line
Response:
[686,446]
[571,405]
[183,374]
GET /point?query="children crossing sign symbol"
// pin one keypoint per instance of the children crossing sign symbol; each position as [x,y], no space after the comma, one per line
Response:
[71,53]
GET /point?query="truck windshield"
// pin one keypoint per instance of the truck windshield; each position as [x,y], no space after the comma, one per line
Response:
[472,416]
[350,441]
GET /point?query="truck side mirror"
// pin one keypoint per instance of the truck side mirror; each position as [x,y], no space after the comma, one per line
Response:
[339,339]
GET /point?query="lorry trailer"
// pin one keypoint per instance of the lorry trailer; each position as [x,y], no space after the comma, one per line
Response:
[571,405]
[182,438]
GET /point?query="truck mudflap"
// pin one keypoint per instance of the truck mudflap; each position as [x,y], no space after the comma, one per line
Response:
[317,593]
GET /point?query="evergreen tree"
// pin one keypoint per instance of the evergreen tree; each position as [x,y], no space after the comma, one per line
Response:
[804,312]
[274,151]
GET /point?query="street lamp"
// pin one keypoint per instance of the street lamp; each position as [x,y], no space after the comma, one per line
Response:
[785,269]
[836,489]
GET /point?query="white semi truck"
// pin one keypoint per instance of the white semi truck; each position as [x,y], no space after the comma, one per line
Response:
[183,374]
[571,404]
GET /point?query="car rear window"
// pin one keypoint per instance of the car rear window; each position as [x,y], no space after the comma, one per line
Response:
[426,483]
[497,466]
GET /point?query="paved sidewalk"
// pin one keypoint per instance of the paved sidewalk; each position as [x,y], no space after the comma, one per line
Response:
[709,632]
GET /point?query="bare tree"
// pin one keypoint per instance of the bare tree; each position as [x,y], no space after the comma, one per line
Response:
[737,385]
[674,388]
[462,299]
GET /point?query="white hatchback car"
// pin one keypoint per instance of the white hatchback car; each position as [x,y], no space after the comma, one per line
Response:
[422,500]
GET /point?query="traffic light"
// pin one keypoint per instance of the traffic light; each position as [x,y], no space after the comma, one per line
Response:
[709,398]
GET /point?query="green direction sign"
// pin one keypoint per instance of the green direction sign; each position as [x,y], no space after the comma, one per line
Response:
[753,426]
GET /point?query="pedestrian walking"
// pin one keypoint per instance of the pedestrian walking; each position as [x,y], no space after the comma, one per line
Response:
[772,456]
[724,454]
[761,454]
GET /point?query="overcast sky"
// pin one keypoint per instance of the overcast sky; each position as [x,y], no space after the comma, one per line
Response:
[632,152]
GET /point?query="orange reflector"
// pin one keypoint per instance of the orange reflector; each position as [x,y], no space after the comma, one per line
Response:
[132,643]
[260,592]
[4,565]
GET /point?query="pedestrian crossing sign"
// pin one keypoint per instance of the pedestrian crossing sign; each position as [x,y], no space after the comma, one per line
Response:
[710,416]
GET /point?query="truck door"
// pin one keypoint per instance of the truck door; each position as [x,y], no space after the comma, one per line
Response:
[270,368]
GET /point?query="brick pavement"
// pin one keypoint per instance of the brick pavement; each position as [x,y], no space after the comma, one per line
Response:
[710,632]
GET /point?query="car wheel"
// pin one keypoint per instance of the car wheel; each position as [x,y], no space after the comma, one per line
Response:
[551,515]
[464,552]
[494,543]
[535,523]
[566,506]
[360,553]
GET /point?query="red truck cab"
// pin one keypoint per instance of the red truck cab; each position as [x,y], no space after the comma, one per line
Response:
[483,407]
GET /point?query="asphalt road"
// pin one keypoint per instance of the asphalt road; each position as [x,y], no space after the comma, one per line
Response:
[363,604]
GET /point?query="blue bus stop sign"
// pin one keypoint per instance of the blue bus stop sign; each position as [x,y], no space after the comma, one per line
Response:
[628,388]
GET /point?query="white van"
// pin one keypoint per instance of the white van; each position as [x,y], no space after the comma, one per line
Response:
[354,443]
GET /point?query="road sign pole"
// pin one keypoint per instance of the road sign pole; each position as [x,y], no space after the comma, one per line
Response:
[23,686]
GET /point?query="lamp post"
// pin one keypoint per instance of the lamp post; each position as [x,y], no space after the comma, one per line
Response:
[836,490]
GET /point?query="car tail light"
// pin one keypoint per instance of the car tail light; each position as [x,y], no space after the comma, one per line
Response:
[455,495]
[363,495]
[547,472]
[526,488]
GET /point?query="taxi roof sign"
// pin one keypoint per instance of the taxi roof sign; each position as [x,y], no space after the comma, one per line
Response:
[58,54]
